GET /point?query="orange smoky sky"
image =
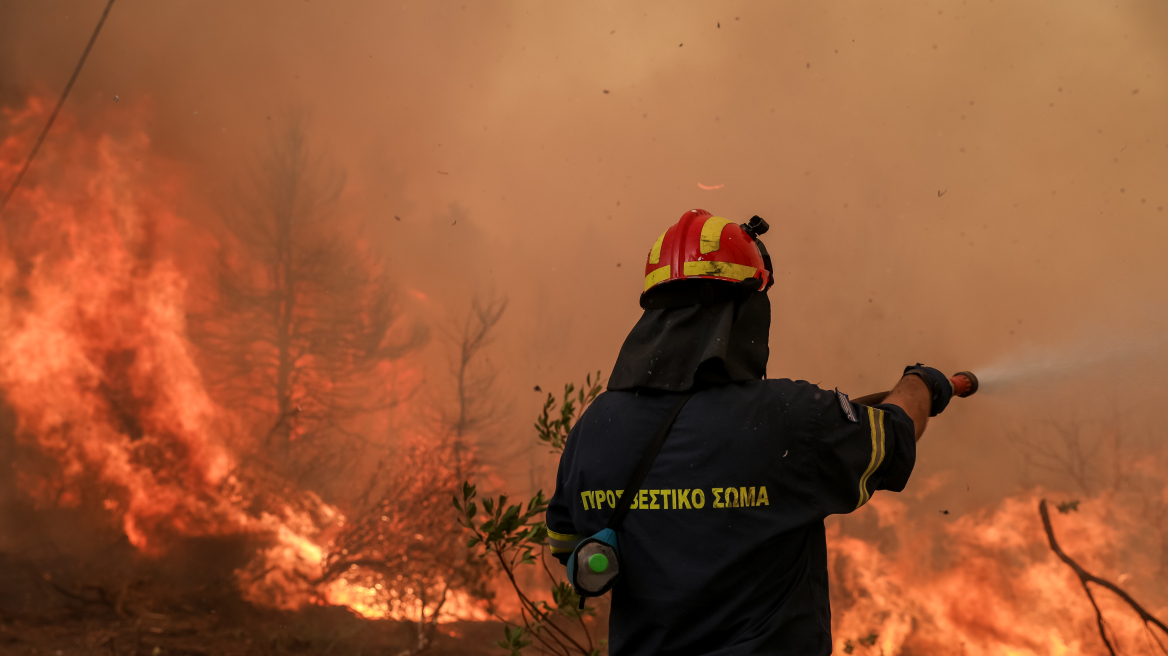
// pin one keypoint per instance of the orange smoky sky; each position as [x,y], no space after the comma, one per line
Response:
[963,184]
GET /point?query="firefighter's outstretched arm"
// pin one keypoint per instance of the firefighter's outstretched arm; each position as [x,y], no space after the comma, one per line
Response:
[913,396]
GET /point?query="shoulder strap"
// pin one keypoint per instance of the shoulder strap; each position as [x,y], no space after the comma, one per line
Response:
[643,467]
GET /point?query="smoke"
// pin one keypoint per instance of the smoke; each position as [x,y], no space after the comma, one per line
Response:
[947,183]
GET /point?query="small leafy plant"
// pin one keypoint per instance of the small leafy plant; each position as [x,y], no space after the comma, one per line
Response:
[512,536]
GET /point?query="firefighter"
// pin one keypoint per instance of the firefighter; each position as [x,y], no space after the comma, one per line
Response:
[723,549]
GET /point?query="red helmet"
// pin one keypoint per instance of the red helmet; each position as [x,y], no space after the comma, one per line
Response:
[701,245]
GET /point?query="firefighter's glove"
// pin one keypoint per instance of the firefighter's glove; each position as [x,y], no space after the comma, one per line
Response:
[940,389]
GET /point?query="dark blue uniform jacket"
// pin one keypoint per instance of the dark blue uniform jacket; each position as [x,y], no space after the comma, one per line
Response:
[724,551]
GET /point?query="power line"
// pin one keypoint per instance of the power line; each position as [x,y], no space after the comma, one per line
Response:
[52,117]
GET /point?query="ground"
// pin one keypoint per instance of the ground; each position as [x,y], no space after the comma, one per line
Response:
[331,631]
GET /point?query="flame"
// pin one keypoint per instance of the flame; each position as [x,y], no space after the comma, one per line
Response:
[986,583]
[376,601]
[94,359]
[97,365]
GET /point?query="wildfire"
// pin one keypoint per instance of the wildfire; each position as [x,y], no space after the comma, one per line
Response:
[97,365]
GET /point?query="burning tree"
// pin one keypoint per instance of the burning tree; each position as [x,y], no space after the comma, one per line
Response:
[474,408]
[399,557]
[304,329]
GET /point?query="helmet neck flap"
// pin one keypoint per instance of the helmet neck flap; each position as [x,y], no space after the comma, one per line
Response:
[696,332]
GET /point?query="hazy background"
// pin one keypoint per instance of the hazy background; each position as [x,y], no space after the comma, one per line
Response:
[965,184]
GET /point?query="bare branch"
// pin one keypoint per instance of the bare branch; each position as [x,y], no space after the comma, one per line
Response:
[1086,577]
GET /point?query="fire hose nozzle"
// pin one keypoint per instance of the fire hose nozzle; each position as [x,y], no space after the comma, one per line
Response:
[964,383]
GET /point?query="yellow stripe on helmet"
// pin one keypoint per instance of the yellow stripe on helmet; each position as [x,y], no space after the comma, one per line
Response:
[712,233]
[655,252]
[720,269]
[657,275]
